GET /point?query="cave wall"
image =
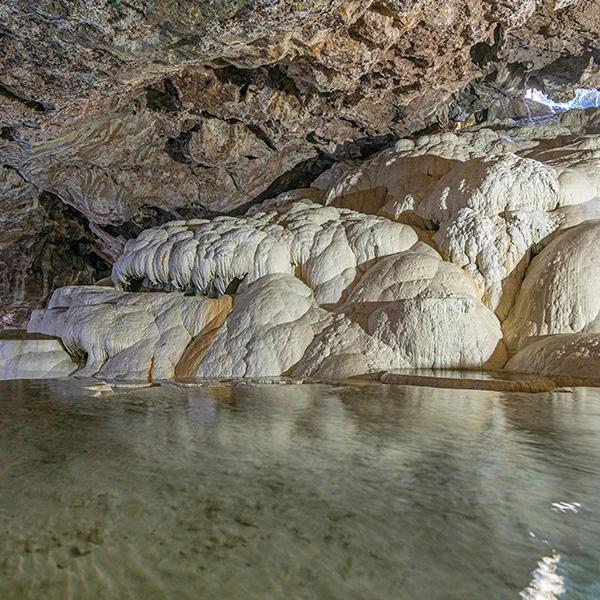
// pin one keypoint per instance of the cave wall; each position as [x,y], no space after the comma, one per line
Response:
[116,116]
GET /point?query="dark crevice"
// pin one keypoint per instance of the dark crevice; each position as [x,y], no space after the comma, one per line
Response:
[273,76]
[483,53]
[149,216]
[419,61]
[488,97]
[77,354]
[233,285]
[299,176]
[381,9]
[281,81]
[7,133]
[195,211]
[262,136]
[80,242]
[152,216]
[304,173]
[244,92]
[38,105]
[561,73]
[178,148]
[239,77]
[53,247]
[164,100]
[371,145]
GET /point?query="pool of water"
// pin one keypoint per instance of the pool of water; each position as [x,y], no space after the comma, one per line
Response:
[298,491]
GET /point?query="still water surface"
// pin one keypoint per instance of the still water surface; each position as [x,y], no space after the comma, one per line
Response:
[300,491]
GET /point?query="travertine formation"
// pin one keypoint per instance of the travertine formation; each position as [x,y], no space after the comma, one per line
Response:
[327,247]
[457,251]
[127,336]
[33,357]
[560,291]
[568,359]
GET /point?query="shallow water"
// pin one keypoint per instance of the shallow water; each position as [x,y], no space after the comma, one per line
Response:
[300,491]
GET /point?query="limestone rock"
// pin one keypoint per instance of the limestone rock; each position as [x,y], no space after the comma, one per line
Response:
[137,113]
[44,244]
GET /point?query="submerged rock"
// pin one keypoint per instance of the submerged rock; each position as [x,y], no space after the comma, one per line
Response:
[497,381]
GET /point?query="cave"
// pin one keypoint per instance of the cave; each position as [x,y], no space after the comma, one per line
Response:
[300,299]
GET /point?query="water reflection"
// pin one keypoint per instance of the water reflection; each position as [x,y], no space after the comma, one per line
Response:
[304,491]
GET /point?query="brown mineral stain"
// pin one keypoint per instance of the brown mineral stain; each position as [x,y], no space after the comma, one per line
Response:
[199,346]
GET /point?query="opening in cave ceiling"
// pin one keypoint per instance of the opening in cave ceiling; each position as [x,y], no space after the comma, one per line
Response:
[584,98]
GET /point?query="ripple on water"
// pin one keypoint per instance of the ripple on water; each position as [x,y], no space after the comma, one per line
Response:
[304,491]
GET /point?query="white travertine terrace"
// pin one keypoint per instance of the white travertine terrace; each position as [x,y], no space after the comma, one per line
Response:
[424,309]
[324,245]
[568,358]
[561,291]
[22,358]
[451,251]
[488,196]
[272,323]
[127,335]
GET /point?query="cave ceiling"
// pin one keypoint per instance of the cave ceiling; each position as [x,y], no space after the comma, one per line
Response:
[123,114]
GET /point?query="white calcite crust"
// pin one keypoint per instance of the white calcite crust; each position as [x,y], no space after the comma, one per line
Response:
[494,249]
[343,350]
[489,196]
[490,213]
[491,186]
[123,335]
[448,251]
[429,312]
[34,359]
[272,323]
[410,310]
[567,358]
[560,293]
[325,246]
